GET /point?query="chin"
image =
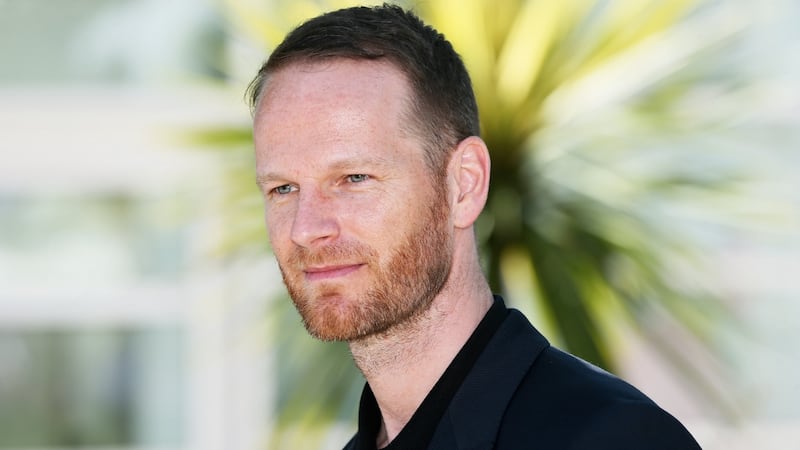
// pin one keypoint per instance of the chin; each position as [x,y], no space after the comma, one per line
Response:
[331,317]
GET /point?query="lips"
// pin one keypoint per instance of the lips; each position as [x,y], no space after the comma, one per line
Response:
[330,272]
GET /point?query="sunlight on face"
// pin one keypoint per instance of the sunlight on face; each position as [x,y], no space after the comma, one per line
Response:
[402,285]
[358,224]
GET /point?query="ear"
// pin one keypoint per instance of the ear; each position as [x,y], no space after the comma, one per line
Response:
[468,172]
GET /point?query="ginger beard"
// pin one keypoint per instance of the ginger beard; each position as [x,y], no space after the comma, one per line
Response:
[401,287]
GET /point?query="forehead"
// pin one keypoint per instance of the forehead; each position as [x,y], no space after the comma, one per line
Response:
[334,82]
[336,105]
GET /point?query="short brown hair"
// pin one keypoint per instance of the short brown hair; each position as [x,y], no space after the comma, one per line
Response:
[443,109]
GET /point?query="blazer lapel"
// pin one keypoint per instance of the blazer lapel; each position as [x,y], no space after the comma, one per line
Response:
[473,419]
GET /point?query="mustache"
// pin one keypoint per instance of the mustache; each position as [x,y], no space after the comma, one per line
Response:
[338,253]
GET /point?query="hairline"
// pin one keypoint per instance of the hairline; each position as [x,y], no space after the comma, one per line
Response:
[436,153]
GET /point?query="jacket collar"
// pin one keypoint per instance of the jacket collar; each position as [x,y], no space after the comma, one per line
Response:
[473,419]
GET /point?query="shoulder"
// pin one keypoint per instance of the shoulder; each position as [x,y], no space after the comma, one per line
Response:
[570,403]
[351,445]
[632,425]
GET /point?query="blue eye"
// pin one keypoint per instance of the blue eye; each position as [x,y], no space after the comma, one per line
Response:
[357,178]
[283,190]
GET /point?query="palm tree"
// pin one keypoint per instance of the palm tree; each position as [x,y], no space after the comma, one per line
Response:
[601,142]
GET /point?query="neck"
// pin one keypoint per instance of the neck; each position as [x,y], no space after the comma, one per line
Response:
[402,364]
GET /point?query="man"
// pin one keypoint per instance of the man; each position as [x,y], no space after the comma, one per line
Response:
[373,174]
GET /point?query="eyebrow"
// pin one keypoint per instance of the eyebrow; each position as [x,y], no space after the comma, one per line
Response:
[266,178]
[359,162]
[355,163]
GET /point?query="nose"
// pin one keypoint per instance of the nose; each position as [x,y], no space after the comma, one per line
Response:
[315,221]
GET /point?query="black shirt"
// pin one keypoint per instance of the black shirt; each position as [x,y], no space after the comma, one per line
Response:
[419,430]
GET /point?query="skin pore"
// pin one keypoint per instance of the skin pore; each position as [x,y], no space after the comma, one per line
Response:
[373,247]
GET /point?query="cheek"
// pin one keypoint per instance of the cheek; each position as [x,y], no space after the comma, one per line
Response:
[371,217]
[380,224]
[278,229]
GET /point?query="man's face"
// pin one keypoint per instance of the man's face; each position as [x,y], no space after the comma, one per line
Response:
[359,225]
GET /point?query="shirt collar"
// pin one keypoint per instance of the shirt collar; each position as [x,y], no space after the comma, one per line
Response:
[420,429]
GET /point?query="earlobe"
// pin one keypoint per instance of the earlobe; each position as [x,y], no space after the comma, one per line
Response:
[470,168]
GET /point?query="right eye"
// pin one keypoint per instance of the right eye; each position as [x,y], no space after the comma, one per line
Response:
[283,189]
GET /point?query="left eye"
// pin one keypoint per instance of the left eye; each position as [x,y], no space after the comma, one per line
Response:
[357,178]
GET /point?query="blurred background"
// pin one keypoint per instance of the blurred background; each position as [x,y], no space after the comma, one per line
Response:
[645,214]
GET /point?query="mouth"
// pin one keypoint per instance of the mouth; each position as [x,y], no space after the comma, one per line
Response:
[330,272]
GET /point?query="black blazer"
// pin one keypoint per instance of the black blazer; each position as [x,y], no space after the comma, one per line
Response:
[524,394]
